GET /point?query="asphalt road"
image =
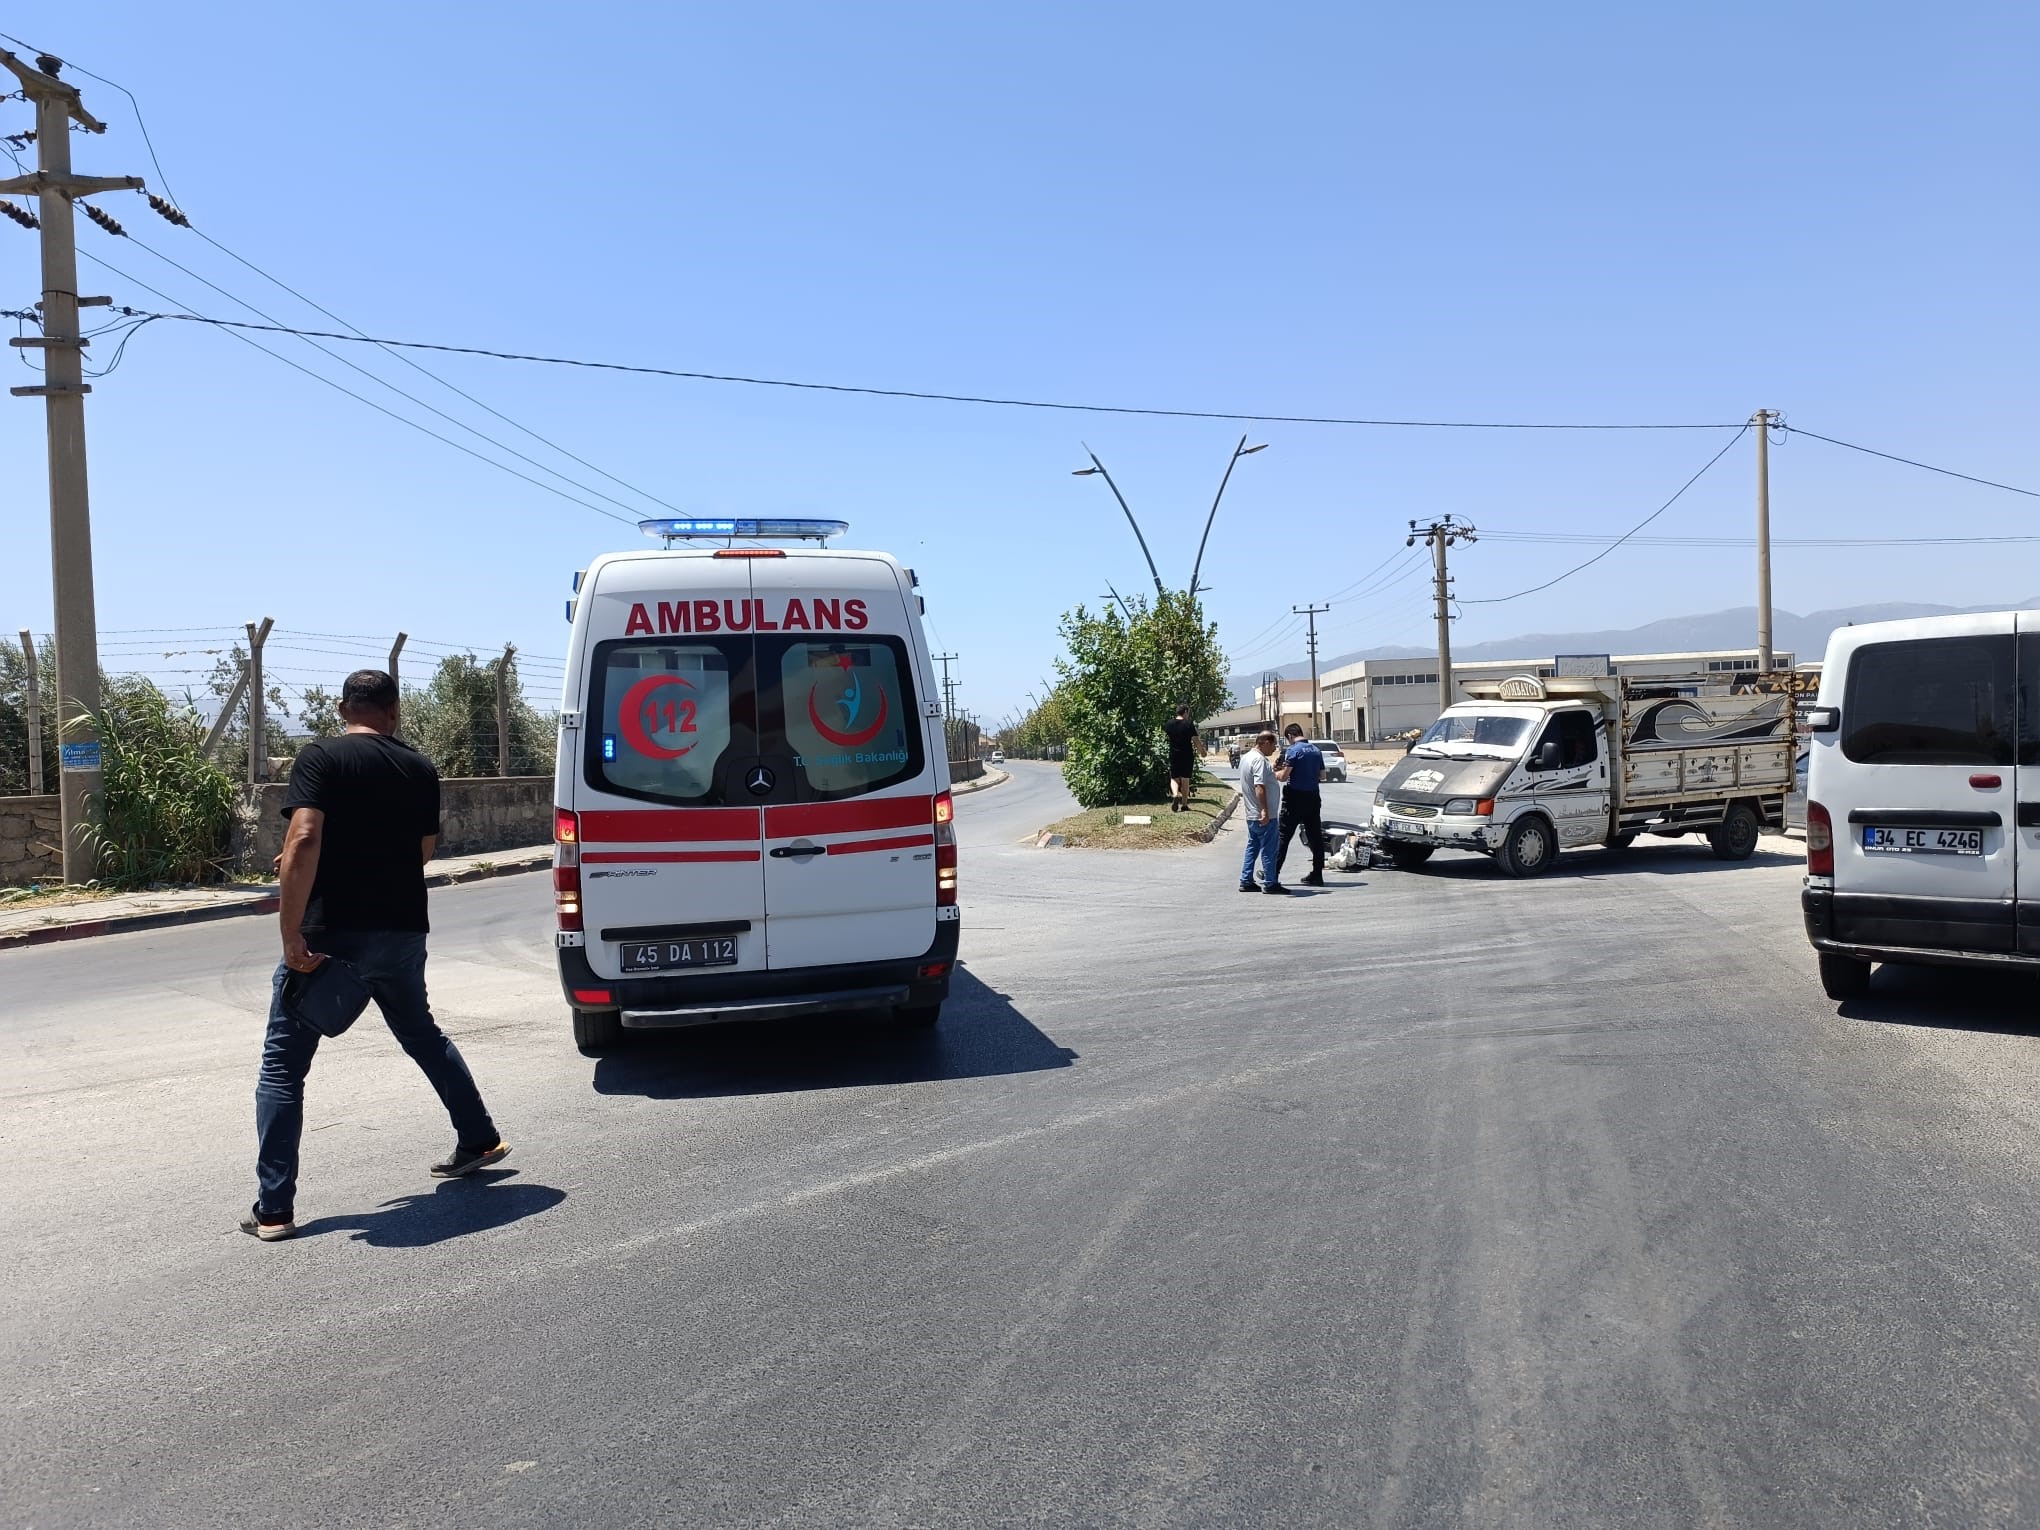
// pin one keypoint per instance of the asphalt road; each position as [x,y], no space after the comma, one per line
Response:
[1430,1200]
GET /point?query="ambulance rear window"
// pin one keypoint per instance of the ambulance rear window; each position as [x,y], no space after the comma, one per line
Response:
[847,711]
[663,722]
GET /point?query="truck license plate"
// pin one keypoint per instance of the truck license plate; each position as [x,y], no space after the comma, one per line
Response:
[665,955]
[1904,841]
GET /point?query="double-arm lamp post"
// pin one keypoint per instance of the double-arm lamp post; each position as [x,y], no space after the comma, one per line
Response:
[1097,468]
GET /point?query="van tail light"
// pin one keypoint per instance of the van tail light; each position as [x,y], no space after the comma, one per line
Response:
[1820,841]
[567,869]
[945,850]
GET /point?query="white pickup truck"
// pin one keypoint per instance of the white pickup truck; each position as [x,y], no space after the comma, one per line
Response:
[1533,764]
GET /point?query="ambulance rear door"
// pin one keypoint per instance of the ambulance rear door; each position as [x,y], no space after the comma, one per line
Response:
[672,870]
[849,833]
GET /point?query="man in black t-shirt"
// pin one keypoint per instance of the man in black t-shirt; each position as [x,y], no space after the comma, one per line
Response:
[364,816]
[1182,734]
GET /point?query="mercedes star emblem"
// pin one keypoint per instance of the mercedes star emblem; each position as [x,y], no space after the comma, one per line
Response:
[760,781]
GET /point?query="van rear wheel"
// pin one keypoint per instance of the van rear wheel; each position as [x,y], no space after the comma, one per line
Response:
[1844,977]
[1736,838]
[597,1031]
[918,1017]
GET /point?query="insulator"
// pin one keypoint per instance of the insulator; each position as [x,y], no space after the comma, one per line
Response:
[168,211]
[20,215]
[104,220]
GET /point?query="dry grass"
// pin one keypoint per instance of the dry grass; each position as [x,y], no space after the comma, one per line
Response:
[1102,828]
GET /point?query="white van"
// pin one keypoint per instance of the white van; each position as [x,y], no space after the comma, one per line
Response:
[1923,797]
[752,809]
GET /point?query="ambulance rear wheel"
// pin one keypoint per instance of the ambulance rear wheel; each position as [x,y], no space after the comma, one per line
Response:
[1844,977]
[1409,857]
[918,1017]
[597,1031]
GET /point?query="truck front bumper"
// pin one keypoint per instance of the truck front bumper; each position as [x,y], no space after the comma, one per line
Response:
[1460,832]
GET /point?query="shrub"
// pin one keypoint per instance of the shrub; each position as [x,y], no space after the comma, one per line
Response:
[164,811]
[1124,677]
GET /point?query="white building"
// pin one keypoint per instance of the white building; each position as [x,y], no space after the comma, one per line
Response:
[1375,699]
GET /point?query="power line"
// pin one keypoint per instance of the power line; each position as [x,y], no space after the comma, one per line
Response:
[503,467]
[1495,600]
[1988,483]
[914,393]
[1590,539]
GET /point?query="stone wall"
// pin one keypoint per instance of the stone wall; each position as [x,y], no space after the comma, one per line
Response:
[31,841]
[966,770]
[476,815]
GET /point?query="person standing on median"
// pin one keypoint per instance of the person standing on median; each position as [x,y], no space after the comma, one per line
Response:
[1261,801]
[1302,802]
[1182,734]
[364,817]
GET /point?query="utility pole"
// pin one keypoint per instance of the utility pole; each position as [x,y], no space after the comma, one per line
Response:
[503,709]
[1313,612]
[1441,534]
[63,391]
[32,701]
[258,739]
[1762,420]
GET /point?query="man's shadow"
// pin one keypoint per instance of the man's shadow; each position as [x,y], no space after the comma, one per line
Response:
[451,1209]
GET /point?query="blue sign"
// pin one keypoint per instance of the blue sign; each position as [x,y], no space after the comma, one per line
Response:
[81,756]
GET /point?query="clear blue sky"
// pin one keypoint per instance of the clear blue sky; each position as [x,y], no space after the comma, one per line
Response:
[1571,213]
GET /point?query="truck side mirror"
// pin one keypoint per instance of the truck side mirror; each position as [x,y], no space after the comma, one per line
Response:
[1548,755]
[1822,719]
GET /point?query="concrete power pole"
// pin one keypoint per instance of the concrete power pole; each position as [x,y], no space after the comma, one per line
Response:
[503,709]
[31,688]
[63,391]
[1441,534]
[258,717]
[1762,420]
[1312,612]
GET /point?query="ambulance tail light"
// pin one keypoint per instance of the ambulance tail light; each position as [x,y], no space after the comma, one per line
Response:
[1820,841]
[945,850]
[567,869]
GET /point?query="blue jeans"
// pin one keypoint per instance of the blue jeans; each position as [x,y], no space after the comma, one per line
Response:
[1263,840]
[392,963]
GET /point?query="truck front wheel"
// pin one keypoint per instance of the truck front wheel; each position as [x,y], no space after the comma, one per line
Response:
[1736,838]
[1408,857]
[1530,848]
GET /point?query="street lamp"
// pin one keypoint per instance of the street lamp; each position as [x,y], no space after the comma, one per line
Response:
[1098,468]
[1242,450]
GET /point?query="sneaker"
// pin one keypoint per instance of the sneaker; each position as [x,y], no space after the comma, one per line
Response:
[1315,879]
[1250,887]
[255,1225]
[1276,887]
[466,1160]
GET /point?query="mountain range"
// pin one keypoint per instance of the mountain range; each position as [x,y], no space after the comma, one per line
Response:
[1804,637]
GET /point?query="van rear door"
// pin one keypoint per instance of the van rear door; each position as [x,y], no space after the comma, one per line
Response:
[1921,789]
[849,823]
[670,854]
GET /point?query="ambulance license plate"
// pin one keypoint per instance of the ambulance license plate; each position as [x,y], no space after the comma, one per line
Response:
[1904,841]
[667,955]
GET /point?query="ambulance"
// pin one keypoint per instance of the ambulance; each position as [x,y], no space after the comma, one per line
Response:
[752,817]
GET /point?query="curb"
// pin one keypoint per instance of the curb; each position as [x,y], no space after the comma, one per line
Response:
[983,783]
[124,924]
[1210,832]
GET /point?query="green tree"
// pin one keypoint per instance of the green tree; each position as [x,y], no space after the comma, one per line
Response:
[452,719]
[164,811]
[1125,674]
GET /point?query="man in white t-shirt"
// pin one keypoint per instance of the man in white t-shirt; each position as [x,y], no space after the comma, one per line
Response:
[1261,801]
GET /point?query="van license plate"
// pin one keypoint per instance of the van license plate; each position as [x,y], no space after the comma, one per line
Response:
[665,955]
[1901,841]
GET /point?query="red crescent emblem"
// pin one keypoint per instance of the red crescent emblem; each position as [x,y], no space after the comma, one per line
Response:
[630,716]
[848,740]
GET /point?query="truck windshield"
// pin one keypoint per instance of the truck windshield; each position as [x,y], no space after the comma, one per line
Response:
[1485,730]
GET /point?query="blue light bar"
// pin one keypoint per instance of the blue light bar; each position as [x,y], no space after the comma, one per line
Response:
[721,530]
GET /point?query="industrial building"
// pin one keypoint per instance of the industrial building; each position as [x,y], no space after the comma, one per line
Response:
[1376,700]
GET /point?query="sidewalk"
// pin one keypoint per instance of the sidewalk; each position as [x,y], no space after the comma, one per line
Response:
[84,916]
